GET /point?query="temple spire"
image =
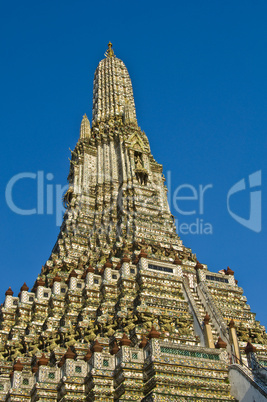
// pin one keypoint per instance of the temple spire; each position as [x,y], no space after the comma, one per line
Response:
[85,130]
[113,92]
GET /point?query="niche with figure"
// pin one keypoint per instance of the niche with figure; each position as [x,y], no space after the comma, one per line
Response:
[140,172]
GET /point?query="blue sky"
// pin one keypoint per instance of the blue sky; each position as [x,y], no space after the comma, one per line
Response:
[199,78]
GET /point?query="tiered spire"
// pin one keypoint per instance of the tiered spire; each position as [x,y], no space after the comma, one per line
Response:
[113,93]
[85,130]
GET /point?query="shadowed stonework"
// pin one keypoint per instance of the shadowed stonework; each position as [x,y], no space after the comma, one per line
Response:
[122,311]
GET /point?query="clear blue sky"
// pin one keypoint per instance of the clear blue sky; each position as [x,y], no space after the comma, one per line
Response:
[199,78]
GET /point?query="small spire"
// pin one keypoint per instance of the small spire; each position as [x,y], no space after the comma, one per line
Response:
[229,271]
[125,341]
[43,361]
[249,348]
[73,274]
[198,265]
[97,347]
[9,292]
[69,354]
[85,130]
[143,342]
[56,278]
[24,287]
[87,271]
[88,355]
[110,51]
[142,254]
[153,333]
[108,264]
[206,319]
[125,258]
[118,266]
[115,348]
[18,366]
[220,344]
[231,324]
[40,282]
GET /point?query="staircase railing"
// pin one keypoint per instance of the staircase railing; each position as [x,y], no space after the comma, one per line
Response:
[193,303]
[213,310]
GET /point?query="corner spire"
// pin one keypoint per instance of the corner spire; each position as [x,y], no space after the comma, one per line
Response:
[110,51]
[85,130]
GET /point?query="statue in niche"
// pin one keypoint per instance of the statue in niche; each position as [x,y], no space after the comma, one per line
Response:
[138,162]
[140,172]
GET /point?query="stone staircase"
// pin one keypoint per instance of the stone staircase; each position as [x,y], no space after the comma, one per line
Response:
[202,312]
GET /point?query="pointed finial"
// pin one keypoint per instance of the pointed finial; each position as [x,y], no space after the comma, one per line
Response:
[220,344]
[97,347]
[9,292]
[153,333]
[18,366]
[115,348]
[110,51]
[125,341]
[250,348]
[229,271]
[88,355]
[85,130]
[69,354]
[206,319]
[24,287]
[231,324]
[43,361]
[143,342]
